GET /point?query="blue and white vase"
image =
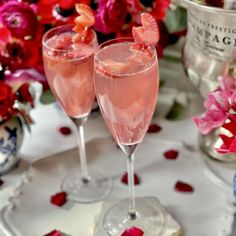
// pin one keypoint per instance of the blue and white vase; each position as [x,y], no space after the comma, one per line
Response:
[11,137]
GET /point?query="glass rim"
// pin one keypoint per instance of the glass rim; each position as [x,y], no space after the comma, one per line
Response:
[153,58]
[69,26]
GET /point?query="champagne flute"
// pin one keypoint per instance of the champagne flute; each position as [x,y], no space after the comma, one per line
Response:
[69,68]
[126,86]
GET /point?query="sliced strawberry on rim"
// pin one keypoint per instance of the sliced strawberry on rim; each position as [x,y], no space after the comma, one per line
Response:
[86,17]
[148,33]
[149,22]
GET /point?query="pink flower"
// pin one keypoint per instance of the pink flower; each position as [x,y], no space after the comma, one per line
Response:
[227,85]
[110,16]
[20,77]
[19,18]
[217,107]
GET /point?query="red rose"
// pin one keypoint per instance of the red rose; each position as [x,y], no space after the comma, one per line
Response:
[25,95]
[7,99]
[19,18]
[110,16]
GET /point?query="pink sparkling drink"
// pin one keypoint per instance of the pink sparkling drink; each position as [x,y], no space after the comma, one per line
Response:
[126,83]
[69,68]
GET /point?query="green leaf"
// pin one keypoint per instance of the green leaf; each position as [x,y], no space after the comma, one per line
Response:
[47,97]
[176,20]
[176,111]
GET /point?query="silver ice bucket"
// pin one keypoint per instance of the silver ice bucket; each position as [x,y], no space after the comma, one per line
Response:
[210,47]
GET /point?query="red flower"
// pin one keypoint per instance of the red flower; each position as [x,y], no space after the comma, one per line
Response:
[19,18]
[110,16]
[17,54]
[59,199]
[7,99]
[133,231]
[57,12]
[24,94]
[159,9]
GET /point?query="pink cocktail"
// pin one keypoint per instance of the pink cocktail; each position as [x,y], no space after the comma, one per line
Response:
[126,86]
[69,67]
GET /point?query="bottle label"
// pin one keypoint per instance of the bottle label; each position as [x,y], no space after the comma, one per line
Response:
[212,33]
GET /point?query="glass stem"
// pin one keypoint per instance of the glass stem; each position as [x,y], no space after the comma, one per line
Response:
[130,168]
[82,154]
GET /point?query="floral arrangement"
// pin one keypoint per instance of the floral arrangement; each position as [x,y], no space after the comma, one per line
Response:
[23,23]
[220,112]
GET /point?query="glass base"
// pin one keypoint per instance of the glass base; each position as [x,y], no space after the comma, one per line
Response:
[95,189]
[150,218]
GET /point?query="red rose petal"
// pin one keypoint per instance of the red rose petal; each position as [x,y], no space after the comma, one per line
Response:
[65,130]
[171,154]
[154,128]
[1,182]
[54,233]
[183,187]
[133,231]
[59,199]
[124,179]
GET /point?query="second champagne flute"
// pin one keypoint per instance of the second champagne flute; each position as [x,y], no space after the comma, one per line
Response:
[126,85]
[69,68]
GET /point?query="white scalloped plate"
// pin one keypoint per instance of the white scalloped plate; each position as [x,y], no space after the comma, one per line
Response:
[33,215]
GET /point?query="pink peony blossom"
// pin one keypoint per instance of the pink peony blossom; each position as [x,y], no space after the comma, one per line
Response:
[110,16]
[19,18]
[227,85]
[217,107]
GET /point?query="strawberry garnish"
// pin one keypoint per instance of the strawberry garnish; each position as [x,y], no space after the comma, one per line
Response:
[82,23]
[149,23]
[86,17]
[148,33]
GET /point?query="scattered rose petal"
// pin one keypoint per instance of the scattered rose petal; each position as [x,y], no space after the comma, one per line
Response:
[1,182]
[65,130]
[183,187]
[133,231]
[54,233]
[124,179]
[154,128]
[59,199]
[171,154]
